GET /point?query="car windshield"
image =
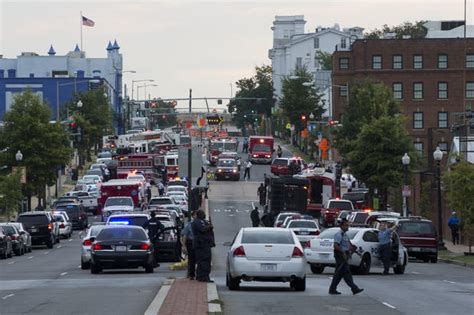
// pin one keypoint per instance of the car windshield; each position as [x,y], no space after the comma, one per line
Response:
[128,220]
[329,234]
[71,210]
[9,229]
[341,205]
[417,227]
[176,189]
[226,163]
[119,202]
[282,217]
[121,233]
[280,162]
[360,217]
[59,218]
[303,224]
[160,201]
[28,220]
[267,237]
[261,148]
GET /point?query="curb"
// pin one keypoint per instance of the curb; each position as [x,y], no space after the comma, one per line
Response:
[157,302]
[212,297]
[206,207]
[457,263]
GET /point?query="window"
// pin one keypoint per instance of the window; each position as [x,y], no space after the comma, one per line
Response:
[442,61]
[418,90]
[442,90]
[397,62]
[442,120]
[418,120]
[342,90]
[343,43]
[370,236]
[343,63]
[397,90]
[443,146]
[299,62]
[470,61]
[470,90]
[376,62]
[417,61]
[418,147]
[316,42]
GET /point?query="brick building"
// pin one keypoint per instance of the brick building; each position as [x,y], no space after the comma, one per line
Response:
[432,78]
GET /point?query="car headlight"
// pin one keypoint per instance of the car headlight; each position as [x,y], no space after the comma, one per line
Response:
[234,170]
[219,170]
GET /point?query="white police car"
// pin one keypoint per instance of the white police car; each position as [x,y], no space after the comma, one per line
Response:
[320,253]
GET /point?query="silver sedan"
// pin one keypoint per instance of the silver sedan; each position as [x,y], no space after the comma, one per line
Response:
[266,254]
[87,241]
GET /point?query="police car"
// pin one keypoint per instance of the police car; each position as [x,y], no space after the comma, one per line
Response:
[320,253]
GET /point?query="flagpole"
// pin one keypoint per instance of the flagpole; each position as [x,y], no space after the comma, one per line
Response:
[81,29]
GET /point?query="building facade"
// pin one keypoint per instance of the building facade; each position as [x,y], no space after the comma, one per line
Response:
[293,48]
[433,79]
[57,78]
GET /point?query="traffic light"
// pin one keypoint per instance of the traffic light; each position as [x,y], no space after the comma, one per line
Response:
[303,118]
[147,104]
[333,123]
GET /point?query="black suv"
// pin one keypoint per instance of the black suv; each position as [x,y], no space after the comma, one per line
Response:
[76,213]
[40,224]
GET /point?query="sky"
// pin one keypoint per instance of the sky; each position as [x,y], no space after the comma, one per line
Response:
[183,44]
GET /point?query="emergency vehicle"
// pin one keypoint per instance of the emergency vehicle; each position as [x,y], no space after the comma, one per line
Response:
[171,164]
[122,187]
[220,145]
[261,149]
[148,164]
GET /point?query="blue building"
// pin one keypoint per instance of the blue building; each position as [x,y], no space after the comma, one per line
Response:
[56,78]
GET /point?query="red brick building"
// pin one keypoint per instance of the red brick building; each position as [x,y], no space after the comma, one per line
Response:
[431,78]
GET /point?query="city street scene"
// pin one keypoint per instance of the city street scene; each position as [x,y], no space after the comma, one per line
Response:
[237,157]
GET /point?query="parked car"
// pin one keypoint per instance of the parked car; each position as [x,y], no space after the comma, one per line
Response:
[266,254]
[65,226]
[18,245]
[87,241]
[177,188]
[94,178]
[419,236]
[320,253]
[281,166]
[167,247]
[137,219]
[24,234]
[331,209]
[76,214]
[305,230]
[282,216]
[158,201]
[123,246]
[117,204]
[98,172]
[40,224]
[6,248]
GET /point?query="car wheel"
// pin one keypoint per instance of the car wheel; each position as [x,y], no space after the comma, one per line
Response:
[85,265]
[232,283]
[150,268]
[317,268]
[400,269]
[95,269]
[10,255]
[434,260]
[50,243]
[426,259]
[58,239]
[299,284]
[364,267]
[5,255]
[17,252]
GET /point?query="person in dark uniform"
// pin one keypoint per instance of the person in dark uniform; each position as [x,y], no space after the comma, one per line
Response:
[155,227]
[262,194]
[342,251]
[254,217]
[385,249]
[203,240]
[187,243]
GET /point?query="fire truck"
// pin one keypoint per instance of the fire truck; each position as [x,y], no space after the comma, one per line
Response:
[287,193]
[149,164]
[171,164]
[219,145]
[123,187]
[261,149]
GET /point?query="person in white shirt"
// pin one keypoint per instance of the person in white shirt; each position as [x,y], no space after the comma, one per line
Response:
[248,165]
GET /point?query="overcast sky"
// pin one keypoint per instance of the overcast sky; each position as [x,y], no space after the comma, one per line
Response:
[182,44]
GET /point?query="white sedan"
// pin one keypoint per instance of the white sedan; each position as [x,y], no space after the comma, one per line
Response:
[320,253]
[266,254]
[305,230]
[65,225]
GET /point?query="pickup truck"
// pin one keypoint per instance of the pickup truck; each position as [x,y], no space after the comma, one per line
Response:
[331,210]
[87,199]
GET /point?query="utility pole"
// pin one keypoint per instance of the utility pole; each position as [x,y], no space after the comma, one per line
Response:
[190,163]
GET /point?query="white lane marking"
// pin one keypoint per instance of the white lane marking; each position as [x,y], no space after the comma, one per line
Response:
[45,253]
[237,210]
[415,273]
[253,205]
[231,215]
[63,274]
[11,263]
[70,240]
[7,296]
[452,282]
[247,211]
[79,266]
[330,278]
[217,210]
[59,246]
[388,305]
[31,257]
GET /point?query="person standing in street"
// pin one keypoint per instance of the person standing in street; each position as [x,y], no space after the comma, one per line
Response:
[248,166]
[453,224]
[245,146]
[148,191]
[254,217]
[262,194]
[155,227]
[203,240]
[385,249]
[187,244]
[342,251]
[279,151]
[161,188]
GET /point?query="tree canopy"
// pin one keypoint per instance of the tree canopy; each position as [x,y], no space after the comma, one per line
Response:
[324,59]
[414,30]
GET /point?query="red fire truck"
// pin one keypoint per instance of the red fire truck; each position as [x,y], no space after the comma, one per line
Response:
[261,149]
[219,145]
[149,164]
[123,187]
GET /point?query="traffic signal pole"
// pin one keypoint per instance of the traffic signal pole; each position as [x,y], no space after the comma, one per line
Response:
[190,163]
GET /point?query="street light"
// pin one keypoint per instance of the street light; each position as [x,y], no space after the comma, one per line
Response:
[79,104]
[144,85]
[438,156]
[405,162]
[146,80]
[19,156]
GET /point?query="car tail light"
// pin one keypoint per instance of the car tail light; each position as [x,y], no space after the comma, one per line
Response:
[62,226]
[297,252]
[306,244]
[50,226]
[314,233]
[87,243]
[239,252]
[13,237]
[97,246]
[145,246]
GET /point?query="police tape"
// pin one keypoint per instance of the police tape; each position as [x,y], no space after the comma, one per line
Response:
[181,265]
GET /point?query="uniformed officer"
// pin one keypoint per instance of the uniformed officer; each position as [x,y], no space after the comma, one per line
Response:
[342,251]
[385,249]
[155,227]
[203,240]
[187,242]
[255,217]
[262,194]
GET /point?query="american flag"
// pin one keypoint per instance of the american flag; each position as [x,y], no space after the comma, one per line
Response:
[87,22]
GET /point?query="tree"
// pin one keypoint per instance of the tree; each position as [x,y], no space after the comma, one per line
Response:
[259,86]
[10,193]
[425,204]
[460,195]
[324,59]
[300,98]
[44,146]
[416,30]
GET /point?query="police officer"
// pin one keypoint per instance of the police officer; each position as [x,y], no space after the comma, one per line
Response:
[254,217]
[203,240]
[342,251]
[262,194]
[385,249]
[187,242]
[155,227]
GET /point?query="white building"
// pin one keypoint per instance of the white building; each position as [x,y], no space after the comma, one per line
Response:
[448,29]
[293,48]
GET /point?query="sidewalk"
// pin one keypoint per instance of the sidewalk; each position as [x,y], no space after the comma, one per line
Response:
[186,297]
[455,255]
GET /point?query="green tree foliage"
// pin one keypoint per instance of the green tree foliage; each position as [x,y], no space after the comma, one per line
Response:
[424,204]
[299,99]
[460,195]
[10,193]
[163,115]
[260,85]
[44,146]
[414,30]
[324,59]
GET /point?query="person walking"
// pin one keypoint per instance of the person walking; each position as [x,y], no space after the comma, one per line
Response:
[148,191]
[453,224]
[279,151]
[262,194]
[248,166]
[385,249]
[342,251]
[254,217]
[187,245]
[203,240]
[161,188]
[245,146]
[155,227]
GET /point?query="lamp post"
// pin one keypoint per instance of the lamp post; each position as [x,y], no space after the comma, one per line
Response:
[438,156]
[19,158]
[144,85]
[133,83]
[405,162]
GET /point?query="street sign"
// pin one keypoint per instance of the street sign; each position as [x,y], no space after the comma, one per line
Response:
[288,126]
[22,171]
[324,145]
[406,192]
